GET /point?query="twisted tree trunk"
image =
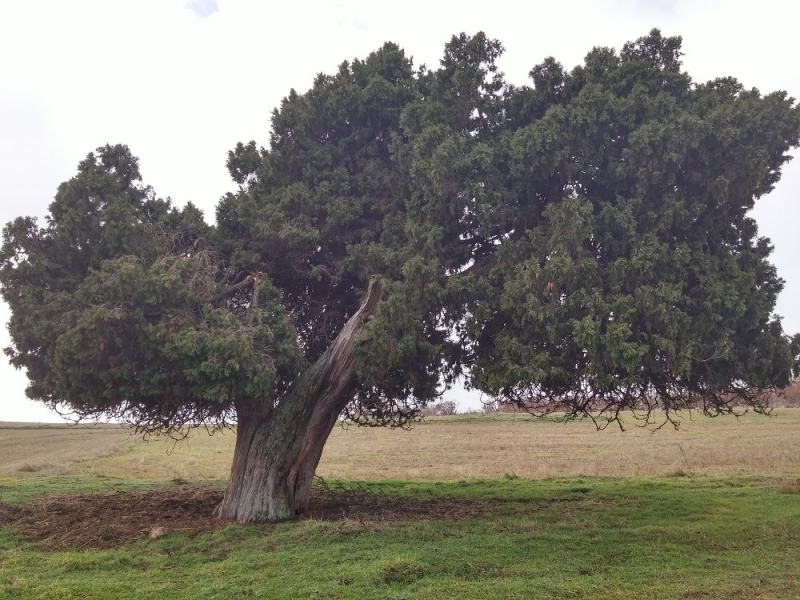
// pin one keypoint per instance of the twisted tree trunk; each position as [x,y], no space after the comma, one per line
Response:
[277,451]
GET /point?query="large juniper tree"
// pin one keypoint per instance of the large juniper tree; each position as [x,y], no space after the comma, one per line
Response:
[582,245]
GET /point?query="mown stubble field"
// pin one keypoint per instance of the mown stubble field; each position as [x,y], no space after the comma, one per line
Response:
[457,447]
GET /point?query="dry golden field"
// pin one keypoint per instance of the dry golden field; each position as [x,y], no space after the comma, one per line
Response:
[457,447]
[55,449]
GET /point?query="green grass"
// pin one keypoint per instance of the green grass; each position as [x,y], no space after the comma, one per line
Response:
[18,489]
[680,537]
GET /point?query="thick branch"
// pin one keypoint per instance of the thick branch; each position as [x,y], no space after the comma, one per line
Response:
[331,380]
[277,452]
[333,387]
[246,282]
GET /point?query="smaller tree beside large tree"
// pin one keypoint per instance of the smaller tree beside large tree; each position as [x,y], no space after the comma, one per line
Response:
[582,246]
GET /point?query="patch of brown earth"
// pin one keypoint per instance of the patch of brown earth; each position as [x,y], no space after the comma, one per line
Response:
[113,519]
[119,518]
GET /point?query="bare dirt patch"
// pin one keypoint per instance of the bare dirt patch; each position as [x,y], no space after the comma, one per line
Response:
[120,518]
[113,519]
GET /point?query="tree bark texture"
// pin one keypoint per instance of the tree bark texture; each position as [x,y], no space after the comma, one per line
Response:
[277,451]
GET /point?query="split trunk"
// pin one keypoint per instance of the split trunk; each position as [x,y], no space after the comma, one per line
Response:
[277,450]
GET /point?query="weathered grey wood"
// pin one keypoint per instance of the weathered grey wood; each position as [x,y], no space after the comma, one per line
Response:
[277,451]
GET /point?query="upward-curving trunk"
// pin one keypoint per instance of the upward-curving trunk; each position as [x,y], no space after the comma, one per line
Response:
[277,451]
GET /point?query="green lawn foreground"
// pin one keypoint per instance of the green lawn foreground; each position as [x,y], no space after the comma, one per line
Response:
[679,537]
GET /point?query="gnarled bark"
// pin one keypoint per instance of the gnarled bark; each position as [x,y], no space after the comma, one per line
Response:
[277,451]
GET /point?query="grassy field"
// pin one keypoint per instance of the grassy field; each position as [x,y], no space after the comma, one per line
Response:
[457,447]
[497,506]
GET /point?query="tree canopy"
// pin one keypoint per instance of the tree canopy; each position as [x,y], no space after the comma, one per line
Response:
[581,244]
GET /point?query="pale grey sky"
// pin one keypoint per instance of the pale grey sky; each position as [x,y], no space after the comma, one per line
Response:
[181,82]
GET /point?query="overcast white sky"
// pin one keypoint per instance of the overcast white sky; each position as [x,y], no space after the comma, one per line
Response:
[181,82]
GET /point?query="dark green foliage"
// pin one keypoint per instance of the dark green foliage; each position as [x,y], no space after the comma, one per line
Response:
[601,234]
[115,309]
[631,271]
[581,245]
